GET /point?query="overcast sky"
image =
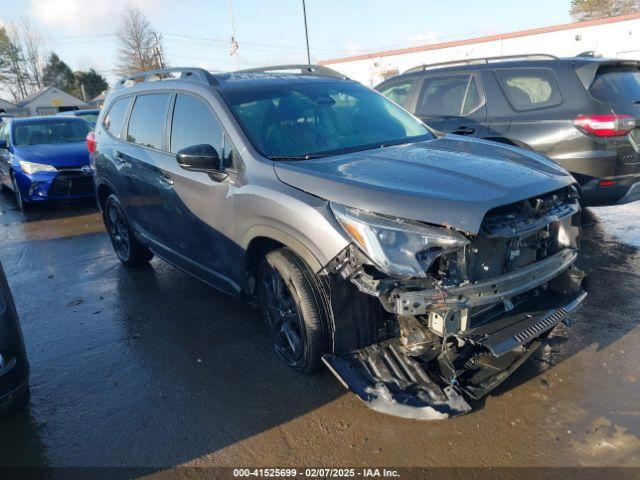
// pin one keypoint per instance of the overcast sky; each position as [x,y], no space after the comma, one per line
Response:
[197,32]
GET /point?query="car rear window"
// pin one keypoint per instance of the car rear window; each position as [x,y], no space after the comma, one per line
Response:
[114,119]
[616,85]
[449,95]
[530,88]
[398,92]
[146,124]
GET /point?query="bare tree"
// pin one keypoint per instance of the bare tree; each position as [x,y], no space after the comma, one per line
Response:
[21,61]
[13,73]
[593,9]
[140,49]
[31,46]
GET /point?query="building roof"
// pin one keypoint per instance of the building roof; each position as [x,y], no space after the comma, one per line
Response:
[99,98]
[33,96]
[489,38]
[42,91]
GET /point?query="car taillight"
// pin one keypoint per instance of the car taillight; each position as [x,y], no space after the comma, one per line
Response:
[91,142]
[609,125]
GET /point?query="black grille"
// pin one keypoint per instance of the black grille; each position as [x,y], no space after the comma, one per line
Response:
[68,184]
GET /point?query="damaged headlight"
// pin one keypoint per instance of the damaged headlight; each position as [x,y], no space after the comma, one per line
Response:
[399,248]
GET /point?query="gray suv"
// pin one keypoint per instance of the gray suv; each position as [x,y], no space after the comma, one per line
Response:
[422,271]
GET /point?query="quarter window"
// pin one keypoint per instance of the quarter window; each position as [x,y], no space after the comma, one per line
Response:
[114,119]
[398,92]
[450,95]
[530,88]
[146,125]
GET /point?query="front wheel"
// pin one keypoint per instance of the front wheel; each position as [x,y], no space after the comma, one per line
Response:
[127,247]
[22,203]
[294,304]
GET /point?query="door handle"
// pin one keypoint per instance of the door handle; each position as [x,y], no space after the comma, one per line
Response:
[464,131]
[120,158]
[165,178]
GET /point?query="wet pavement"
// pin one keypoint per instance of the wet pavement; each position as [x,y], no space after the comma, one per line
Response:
[152,368]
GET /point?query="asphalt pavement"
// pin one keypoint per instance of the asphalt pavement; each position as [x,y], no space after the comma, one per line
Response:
[151,368]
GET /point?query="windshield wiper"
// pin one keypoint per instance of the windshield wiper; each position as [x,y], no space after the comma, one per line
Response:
[308,156]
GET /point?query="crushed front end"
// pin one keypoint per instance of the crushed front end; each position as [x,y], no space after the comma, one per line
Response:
[438,318]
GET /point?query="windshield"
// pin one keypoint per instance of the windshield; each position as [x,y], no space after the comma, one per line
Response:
[616,85]
[320,118]
[55,131]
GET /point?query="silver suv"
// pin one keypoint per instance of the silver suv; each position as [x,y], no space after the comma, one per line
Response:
[422,271]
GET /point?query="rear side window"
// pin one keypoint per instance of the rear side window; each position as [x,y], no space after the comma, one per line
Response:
[146,125]
[114,119]
[194,124]
[449,95]
[398,92]
[616,85]
[529,88]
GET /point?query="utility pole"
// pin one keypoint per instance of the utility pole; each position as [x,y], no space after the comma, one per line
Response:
[84,92]
[234,42]
[158,50]
[306,31]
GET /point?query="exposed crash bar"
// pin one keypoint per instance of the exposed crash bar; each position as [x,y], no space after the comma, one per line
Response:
[483,293]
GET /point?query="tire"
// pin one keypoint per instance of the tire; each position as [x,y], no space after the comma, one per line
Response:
[17,401]
[23,205]
[125,244]
[294,305]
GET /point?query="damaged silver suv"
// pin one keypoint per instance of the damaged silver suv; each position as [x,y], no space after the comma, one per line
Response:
[422,271]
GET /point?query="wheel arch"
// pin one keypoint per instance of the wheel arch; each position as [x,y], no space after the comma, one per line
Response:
[261,240]
[103,190]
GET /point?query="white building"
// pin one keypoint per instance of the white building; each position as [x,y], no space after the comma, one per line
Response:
[49,101]
[616,37]
[5,106]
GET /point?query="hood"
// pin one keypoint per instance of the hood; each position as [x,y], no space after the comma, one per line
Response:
[451,181]
[72,154]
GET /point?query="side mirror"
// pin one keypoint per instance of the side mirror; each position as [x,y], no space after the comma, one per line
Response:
[202,158]
[3,144]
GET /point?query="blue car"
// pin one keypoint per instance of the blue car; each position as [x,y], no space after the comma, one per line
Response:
[45,158]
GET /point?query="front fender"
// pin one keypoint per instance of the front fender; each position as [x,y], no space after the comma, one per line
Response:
[286,239]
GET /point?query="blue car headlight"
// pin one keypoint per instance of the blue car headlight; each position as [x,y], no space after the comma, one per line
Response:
[398,247]
[30,168]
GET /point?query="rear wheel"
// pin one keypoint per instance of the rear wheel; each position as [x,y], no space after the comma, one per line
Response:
[127,247]
[294,305]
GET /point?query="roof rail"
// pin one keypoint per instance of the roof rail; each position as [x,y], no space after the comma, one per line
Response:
[484,60]
[304,69]
[588,53]
[188,73]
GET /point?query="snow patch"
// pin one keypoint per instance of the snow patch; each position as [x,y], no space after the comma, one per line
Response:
[621,222]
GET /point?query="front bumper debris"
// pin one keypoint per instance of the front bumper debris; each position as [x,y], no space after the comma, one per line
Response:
[411,302]
[423,379]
